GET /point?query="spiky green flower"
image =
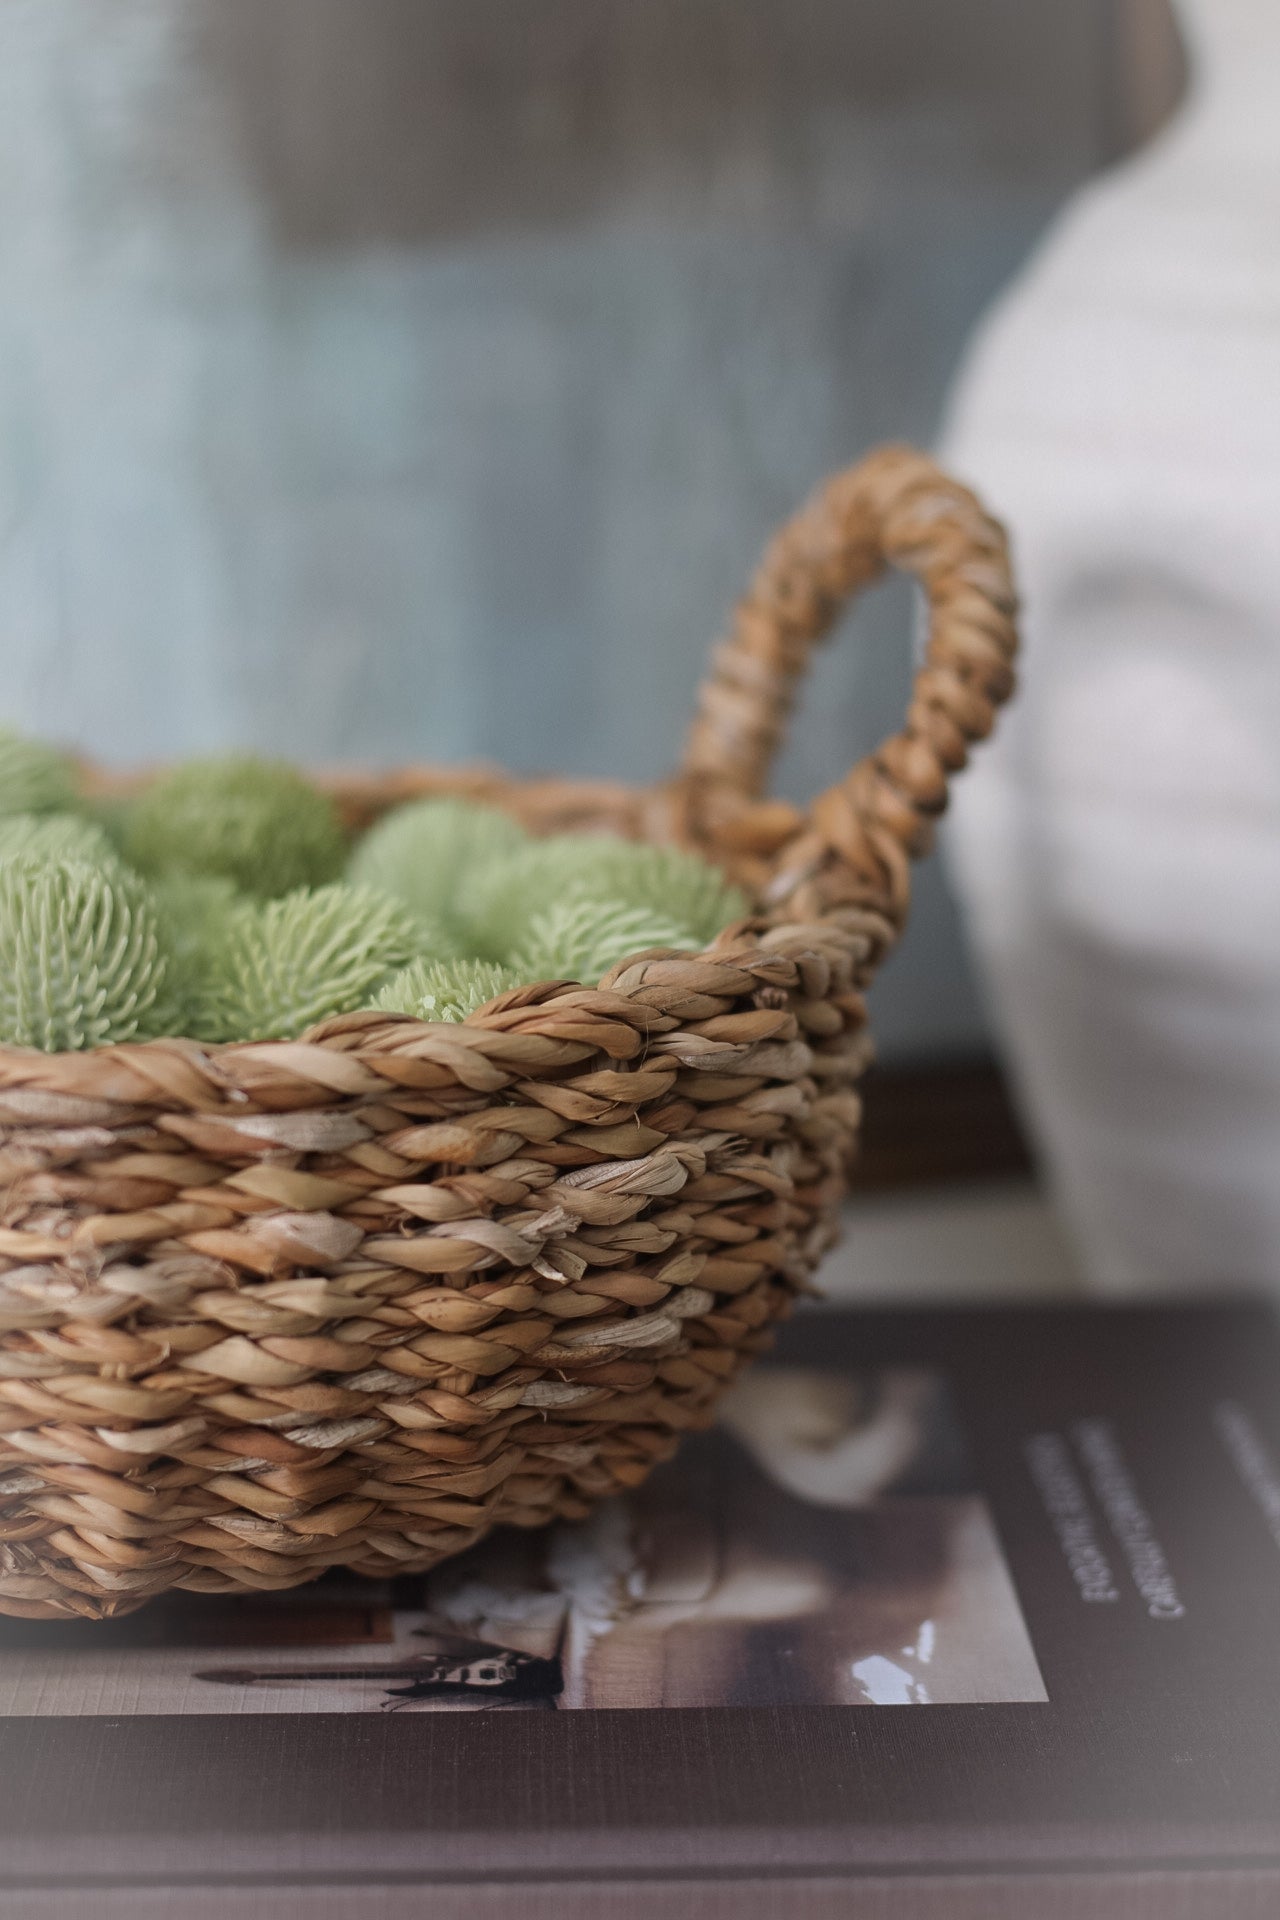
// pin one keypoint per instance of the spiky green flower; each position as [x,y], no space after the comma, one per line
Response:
[80,957]
[281,965]
[40,837]
[444,989]
[582,939]
[500,899]
[420,852]
[674,882]
[34,778]
[192,913]
[254,822]
[111,812]
[193,909]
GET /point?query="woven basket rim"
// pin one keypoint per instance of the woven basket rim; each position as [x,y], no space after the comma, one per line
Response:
[367,793]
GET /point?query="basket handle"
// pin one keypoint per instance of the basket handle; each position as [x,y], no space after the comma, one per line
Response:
[895,508]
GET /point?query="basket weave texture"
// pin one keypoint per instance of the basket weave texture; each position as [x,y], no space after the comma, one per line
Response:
[355,1299]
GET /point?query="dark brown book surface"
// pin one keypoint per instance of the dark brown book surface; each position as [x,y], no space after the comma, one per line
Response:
[956,1612]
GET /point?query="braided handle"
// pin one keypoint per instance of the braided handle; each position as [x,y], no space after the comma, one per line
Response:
[895,508]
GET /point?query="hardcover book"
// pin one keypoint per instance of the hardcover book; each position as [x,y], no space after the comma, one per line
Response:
[970,1613]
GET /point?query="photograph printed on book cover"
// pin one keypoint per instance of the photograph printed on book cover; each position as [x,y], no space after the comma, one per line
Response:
[825,1545]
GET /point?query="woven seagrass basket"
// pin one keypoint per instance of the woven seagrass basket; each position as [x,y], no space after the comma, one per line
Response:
[355,1299]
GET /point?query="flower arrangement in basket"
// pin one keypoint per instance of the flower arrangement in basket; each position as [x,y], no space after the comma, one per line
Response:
[480,1249]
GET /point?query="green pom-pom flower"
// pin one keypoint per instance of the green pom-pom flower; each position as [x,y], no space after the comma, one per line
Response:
[670,881]
[111,812]
[582,939]
[193,909]
[500,899]
[34,778]
[281,965]
[254,822]
[193,912]
[56,837]
[420,852]
[444,989]
[81,963]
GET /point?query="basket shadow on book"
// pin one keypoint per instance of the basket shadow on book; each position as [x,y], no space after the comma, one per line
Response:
[352,1300]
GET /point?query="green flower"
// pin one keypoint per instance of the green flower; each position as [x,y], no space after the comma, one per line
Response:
[192,913]
[281,965]
[34,778]
[111,812]
[57,837]
[582,939]
[500,899]
[81,963]
[420,852]
[254,822]
[444,989]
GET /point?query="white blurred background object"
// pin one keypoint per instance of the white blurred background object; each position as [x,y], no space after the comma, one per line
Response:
[1119,846]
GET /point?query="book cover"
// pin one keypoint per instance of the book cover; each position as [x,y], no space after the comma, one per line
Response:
[950,1609]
